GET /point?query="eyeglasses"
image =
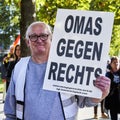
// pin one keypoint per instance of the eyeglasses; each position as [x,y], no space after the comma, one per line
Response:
[35,37]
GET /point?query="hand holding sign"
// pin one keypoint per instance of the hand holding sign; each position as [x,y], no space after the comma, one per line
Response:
[103,83]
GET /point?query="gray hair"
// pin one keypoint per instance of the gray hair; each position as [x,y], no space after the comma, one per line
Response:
[37,23]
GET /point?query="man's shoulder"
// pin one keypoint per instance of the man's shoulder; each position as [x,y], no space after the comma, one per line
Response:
[24,59]
[21,66]
[22,62]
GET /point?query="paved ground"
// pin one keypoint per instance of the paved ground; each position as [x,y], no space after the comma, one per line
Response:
[1,108]
[84,113]
[88,114]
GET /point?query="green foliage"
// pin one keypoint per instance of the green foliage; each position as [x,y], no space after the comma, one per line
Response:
[46,11]
[111,6]
[107,5]
[9,22]
[115,42]
[1,84]
[1,87]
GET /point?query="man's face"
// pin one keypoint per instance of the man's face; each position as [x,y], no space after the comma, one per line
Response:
[39,40]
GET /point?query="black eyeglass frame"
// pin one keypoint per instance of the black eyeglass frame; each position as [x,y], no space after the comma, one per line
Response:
[34,37]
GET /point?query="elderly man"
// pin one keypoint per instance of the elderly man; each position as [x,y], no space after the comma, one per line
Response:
[26,100]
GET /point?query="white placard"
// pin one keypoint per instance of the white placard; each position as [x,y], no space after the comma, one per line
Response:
[79,51]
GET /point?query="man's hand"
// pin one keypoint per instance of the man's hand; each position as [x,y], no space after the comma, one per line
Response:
[103,83]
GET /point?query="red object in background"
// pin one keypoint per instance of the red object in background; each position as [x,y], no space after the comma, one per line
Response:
[17,41]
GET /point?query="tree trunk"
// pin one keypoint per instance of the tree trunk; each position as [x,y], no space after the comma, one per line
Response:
[27,12]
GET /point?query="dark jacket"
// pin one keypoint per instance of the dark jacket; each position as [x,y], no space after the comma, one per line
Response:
[10,67]
[112,101]
[3,71]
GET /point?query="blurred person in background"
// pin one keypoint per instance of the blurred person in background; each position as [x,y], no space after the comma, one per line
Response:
[11,64]
[7,59]
[112,101]
[3,76]
[103,114]
[10,55]
[108,66]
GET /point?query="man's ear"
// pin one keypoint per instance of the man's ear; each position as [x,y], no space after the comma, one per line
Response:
[27,42]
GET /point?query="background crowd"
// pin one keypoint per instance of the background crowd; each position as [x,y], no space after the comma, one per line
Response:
[8,63]
[110,106]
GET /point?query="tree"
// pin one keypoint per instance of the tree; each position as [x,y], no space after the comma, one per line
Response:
[27,17]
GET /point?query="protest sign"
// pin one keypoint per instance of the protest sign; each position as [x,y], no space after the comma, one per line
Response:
[79,51]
